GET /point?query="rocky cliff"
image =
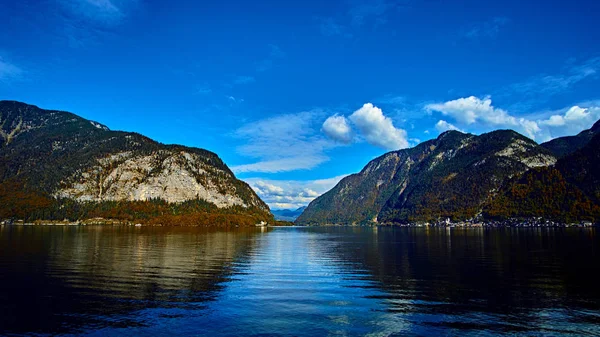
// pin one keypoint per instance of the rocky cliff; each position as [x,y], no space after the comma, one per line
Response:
[452,176]
[59,156]
[568,191]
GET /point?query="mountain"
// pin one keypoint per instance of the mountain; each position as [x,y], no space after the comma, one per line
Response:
[569,191]
[57,165]
[452,176]
[563,146]
[287,214]
[582,168]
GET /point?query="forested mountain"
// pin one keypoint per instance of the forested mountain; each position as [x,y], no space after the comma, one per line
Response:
[569,191]
[582,168]
[496,175]
[56,165]
[451,176]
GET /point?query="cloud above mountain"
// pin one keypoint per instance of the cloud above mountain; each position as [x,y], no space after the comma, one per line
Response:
[378,129]
[472,110]
[571,120]
[291,194]
[442,126]
[283,143]
[479,115]
[338,128]
[372,125]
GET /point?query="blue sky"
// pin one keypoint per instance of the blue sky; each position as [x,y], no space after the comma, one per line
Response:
[294,95]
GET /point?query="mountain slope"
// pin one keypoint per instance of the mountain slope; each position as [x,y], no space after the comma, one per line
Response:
[569,191]
[60,156]
[564,146]
[451,176]
[582,168]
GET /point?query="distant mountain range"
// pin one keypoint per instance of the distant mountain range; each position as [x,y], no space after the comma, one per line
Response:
[287,214]
[459,176]
[57,165]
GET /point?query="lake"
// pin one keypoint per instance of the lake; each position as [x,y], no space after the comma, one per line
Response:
[319,281]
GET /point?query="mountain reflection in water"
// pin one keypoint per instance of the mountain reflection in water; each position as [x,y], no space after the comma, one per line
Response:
[298,281]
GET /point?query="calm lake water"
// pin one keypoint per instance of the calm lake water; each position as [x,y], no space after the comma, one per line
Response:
[334,281]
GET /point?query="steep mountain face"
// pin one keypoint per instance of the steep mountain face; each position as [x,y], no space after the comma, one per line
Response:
[564,146]
[288,214]
[60,155]
[582,168]
[451,176]
[569,191]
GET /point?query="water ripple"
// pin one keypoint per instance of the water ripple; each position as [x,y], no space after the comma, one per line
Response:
[298,281]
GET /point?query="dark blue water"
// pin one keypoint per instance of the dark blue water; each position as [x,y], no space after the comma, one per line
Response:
[299,281]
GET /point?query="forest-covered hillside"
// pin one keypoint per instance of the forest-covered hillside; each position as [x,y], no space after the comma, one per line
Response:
[57,165]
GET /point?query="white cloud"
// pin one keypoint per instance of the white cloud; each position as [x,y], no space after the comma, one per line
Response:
[265,188]
[555,120]
[290,193]
[310,193]
[528,127]
[337,128]
[481,115]
[283,143]
[9,72]
[576,113]
[85,22]
[469,110]
[282,165]
[464,110]
[442,126]
[378,129]
[570,121]
[545,84]
[279,132]
[474,111]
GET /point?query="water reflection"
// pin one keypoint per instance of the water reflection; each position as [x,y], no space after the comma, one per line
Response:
[469,280]
[61,279]
[299,281]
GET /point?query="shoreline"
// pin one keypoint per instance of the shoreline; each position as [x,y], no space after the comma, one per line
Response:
[100,222]
[509,223]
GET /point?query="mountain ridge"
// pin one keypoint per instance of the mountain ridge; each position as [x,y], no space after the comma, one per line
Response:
[61,156]
[564,146]
[287,214]
[455,176]
[568,191]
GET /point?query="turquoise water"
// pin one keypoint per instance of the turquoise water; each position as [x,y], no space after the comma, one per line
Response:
[338,281]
